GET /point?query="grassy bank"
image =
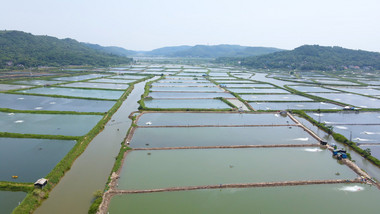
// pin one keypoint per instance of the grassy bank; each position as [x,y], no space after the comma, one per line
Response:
[8,110]
[13,186]
[339,138]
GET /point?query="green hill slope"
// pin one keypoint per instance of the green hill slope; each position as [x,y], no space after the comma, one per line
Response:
[312,57]
[20,48]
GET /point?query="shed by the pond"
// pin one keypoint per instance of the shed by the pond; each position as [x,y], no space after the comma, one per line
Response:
[40,182]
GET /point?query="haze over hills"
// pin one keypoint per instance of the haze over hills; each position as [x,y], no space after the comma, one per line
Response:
[312,57]
[26,50]
[199,51]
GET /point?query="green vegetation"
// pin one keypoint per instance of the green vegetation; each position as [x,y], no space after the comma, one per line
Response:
[49,112]
[311,57]
[13,186]
[38,136]
[19,49]
[340,138]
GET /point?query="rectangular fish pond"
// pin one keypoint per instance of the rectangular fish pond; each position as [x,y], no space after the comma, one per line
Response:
[311,199]
[275,97]
[97,85]
[348,117]
[292,105]
[75,92]
[81,77]
[187,167]
[173,84]
[48,124]
[218,136]
[7,87]
[187,89]
[30,102]
[188,104]
[38,82]
[258,91]
[229,85]
[119,81]
[188,95]
[351,99]
[183,119]
[10,200]
[304,88]
[30,159]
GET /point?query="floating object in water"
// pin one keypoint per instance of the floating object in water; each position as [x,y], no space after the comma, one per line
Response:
[14,176]
[149,153]
[314,150]
[52,103]
[302,139]
[19,121]
[361,139]
[38,108]
[341,127]
[148,123]
[352,188]
[11,114]
[20,98]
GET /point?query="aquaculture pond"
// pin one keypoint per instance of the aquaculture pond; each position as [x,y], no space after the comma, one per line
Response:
[6,87]
[184,119]
[187,89]
[233,81]
[228,85]
[184,81]
[10,200]
[76,92]
[97,85]
[38,82]
[335,82]
[304,88]
[173,84]
[258,90]
[50,124]
[375,150]
[218,136]
[133,77]
[312,199]
[360,133]
[292,105]
[120,81]
[30,102]
[364,91]
[187,167]
[347,117]
[30,159]
[188,95]
[275,97]
[352,99]
[81,77]
[188,104]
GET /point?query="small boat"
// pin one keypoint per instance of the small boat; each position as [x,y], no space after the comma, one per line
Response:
[14,176]
[148,123]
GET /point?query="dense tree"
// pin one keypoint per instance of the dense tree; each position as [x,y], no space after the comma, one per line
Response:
[311,57]
[18,48]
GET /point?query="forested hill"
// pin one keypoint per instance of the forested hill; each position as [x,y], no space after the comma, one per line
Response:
[24,49]
[312,57]
[210,51]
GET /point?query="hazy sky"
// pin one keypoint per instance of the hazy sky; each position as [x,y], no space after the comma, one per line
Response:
[149,24]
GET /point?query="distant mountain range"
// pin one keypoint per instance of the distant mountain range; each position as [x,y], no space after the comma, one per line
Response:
[311,57]
[20,49]
[197,51]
